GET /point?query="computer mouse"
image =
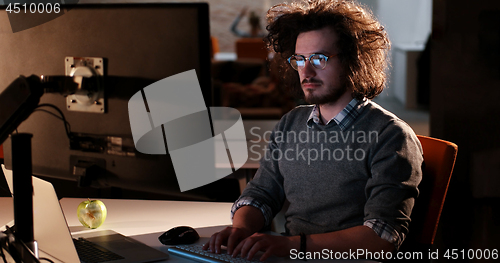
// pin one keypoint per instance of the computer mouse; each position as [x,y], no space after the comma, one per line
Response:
[179,235]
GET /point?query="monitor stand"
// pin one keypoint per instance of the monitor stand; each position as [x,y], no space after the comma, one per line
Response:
[23,197]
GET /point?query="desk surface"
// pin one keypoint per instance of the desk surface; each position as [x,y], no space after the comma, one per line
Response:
[136,217]
[146,220]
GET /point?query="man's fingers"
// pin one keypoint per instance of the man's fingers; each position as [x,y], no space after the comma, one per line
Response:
[221,239]
[248,243]
[237,249]
[231,237]
[211,243]
[256,247]
[233,240]
[266,254]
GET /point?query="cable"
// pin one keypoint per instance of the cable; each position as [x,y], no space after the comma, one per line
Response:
[46,259]
[67,128]
[18,250]
[67,125]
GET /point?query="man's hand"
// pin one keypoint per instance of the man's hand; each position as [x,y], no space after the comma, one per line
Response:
[246,221]
[229,237]
[271,245]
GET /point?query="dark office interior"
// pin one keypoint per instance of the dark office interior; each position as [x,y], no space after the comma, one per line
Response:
[458,82]
[464,78]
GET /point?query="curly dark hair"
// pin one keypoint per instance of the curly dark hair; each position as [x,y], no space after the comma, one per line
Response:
[363,42]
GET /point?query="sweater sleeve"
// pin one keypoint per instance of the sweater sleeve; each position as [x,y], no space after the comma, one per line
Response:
[266,188]
[396,170]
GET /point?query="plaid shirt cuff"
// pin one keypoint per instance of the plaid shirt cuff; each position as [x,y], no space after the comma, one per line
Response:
[386,231]
[244,201]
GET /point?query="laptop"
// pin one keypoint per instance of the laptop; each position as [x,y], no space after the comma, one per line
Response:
[54,238]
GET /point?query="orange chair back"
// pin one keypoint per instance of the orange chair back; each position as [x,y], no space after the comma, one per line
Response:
[439,159]
[251,48]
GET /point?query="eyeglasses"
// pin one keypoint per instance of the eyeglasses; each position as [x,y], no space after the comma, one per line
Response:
[317,60]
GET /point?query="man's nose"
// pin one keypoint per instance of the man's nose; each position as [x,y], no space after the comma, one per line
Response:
[308,71]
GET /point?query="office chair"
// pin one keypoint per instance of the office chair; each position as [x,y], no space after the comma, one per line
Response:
[251,48]
[439,159]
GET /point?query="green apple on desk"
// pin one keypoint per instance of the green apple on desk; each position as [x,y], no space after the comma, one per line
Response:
[92,213]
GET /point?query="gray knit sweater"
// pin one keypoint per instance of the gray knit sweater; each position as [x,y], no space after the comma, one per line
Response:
[336,179]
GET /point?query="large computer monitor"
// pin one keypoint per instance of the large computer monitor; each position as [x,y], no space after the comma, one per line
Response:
[140,43]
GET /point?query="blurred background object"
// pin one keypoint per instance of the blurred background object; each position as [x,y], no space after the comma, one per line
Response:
[254,23]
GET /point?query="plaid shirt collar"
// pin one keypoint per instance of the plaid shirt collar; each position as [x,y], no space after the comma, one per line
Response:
[344,118]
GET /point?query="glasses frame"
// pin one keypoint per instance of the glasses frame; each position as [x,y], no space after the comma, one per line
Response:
[309,59]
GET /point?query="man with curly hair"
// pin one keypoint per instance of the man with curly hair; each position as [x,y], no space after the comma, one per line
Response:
[348,168]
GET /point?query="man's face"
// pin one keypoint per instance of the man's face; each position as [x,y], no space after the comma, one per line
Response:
[320,86]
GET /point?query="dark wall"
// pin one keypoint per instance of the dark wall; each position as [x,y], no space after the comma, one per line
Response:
[464,109]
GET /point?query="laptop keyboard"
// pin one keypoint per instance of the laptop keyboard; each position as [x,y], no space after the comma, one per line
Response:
[89,252]
[196,253]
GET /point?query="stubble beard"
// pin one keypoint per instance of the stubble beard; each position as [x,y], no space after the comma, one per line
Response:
[331,96]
